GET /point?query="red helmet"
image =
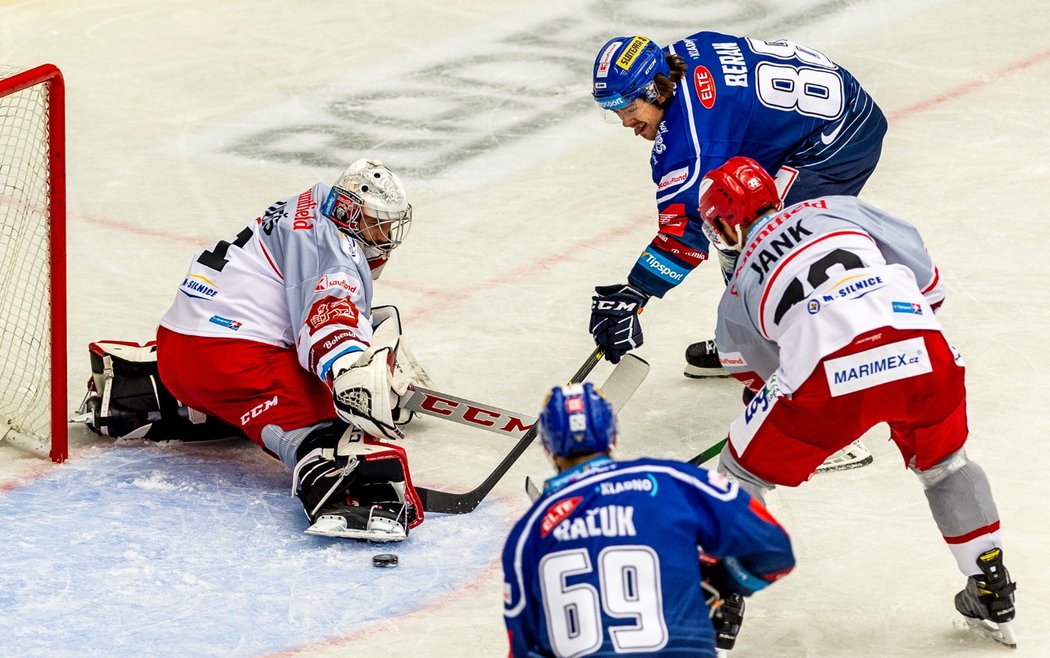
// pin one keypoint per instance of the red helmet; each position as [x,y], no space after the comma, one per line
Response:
[733,196]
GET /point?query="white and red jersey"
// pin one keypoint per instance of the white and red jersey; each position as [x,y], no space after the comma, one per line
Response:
[813,277]
[289,279]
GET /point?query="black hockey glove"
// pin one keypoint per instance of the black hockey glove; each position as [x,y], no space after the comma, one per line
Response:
[727,620]
[614,319]
[725,606]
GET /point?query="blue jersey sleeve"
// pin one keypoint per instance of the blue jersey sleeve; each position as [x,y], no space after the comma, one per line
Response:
[679,246]
[753,547]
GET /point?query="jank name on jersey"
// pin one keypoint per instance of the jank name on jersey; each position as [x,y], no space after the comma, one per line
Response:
[775,248]
[604,521]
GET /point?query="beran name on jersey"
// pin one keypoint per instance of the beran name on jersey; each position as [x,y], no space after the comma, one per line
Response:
[605,521]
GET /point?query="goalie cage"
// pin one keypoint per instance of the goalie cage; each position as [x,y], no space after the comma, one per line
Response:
[32,260]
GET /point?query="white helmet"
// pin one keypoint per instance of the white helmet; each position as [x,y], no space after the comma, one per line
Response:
[369,203]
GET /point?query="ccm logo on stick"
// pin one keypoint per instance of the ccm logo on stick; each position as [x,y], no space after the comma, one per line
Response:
[474,415]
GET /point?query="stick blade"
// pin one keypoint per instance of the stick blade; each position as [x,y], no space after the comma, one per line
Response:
[624,380]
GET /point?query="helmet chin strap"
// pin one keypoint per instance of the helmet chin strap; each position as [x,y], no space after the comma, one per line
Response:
[739,244]
[376,261]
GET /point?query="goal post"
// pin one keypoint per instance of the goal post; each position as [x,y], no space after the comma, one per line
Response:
[33,391]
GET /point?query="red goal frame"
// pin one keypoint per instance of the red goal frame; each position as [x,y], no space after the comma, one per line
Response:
[50,76]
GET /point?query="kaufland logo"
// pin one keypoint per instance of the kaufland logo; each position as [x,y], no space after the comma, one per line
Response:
[334,281]
[676,177]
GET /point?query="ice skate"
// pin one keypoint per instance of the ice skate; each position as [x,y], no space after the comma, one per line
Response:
[378,523]
[987,601]
[701,360]
[855,455]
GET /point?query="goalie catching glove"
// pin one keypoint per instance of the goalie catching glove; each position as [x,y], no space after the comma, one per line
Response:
[614,319]
[366,387]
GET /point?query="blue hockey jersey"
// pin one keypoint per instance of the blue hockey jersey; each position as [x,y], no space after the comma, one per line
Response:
[606,560]
[782,104]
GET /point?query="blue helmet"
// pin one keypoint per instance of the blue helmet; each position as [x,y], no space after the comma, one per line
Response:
[624,70]
[577,419]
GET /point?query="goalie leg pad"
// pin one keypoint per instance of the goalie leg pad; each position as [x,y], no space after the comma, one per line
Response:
[358,489]
[126,398]
[383,476]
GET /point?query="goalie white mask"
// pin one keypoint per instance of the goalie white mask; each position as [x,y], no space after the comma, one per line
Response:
[370,205]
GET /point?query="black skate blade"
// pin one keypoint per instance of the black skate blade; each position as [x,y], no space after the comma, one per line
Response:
[694,372]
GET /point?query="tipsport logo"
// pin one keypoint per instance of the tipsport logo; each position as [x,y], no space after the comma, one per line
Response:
[232,325]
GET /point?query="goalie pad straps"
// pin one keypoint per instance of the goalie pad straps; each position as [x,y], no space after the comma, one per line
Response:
[126,398]
[383,469]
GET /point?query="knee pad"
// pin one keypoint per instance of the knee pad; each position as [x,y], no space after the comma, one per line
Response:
[731,468]
[959,495]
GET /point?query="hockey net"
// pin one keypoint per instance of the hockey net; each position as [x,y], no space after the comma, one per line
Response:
[32,260]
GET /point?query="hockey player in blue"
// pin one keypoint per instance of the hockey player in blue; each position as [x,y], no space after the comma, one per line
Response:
[607,560]
[703,100]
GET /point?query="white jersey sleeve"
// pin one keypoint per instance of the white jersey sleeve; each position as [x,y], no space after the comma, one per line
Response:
[290,279]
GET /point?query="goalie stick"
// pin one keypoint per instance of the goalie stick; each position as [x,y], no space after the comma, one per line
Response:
[429,402]
[620,385]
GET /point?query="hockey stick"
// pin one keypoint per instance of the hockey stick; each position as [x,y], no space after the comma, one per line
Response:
[428,402]
[620,385]
[708,454]
[852,456]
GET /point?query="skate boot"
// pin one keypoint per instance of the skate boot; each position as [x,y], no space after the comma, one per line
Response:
[987,601]
[855,455]
[701,360]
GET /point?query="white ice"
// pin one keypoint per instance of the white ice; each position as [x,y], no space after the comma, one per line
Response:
[187,119]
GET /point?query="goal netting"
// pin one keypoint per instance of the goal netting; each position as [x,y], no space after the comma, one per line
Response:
[32,260]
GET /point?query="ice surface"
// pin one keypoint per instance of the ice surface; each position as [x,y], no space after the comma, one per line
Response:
[187,119]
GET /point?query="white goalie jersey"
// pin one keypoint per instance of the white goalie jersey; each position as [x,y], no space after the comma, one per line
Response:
[290,278]
[815,276]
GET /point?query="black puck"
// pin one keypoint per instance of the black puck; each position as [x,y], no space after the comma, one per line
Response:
[384,560]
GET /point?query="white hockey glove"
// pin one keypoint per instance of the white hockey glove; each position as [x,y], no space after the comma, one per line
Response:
[365,388]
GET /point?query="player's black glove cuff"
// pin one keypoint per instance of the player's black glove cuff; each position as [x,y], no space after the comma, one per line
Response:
[614,319]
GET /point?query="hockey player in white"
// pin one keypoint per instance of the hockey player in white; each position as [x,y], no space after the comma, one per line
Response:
[829,317]
[275,334]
